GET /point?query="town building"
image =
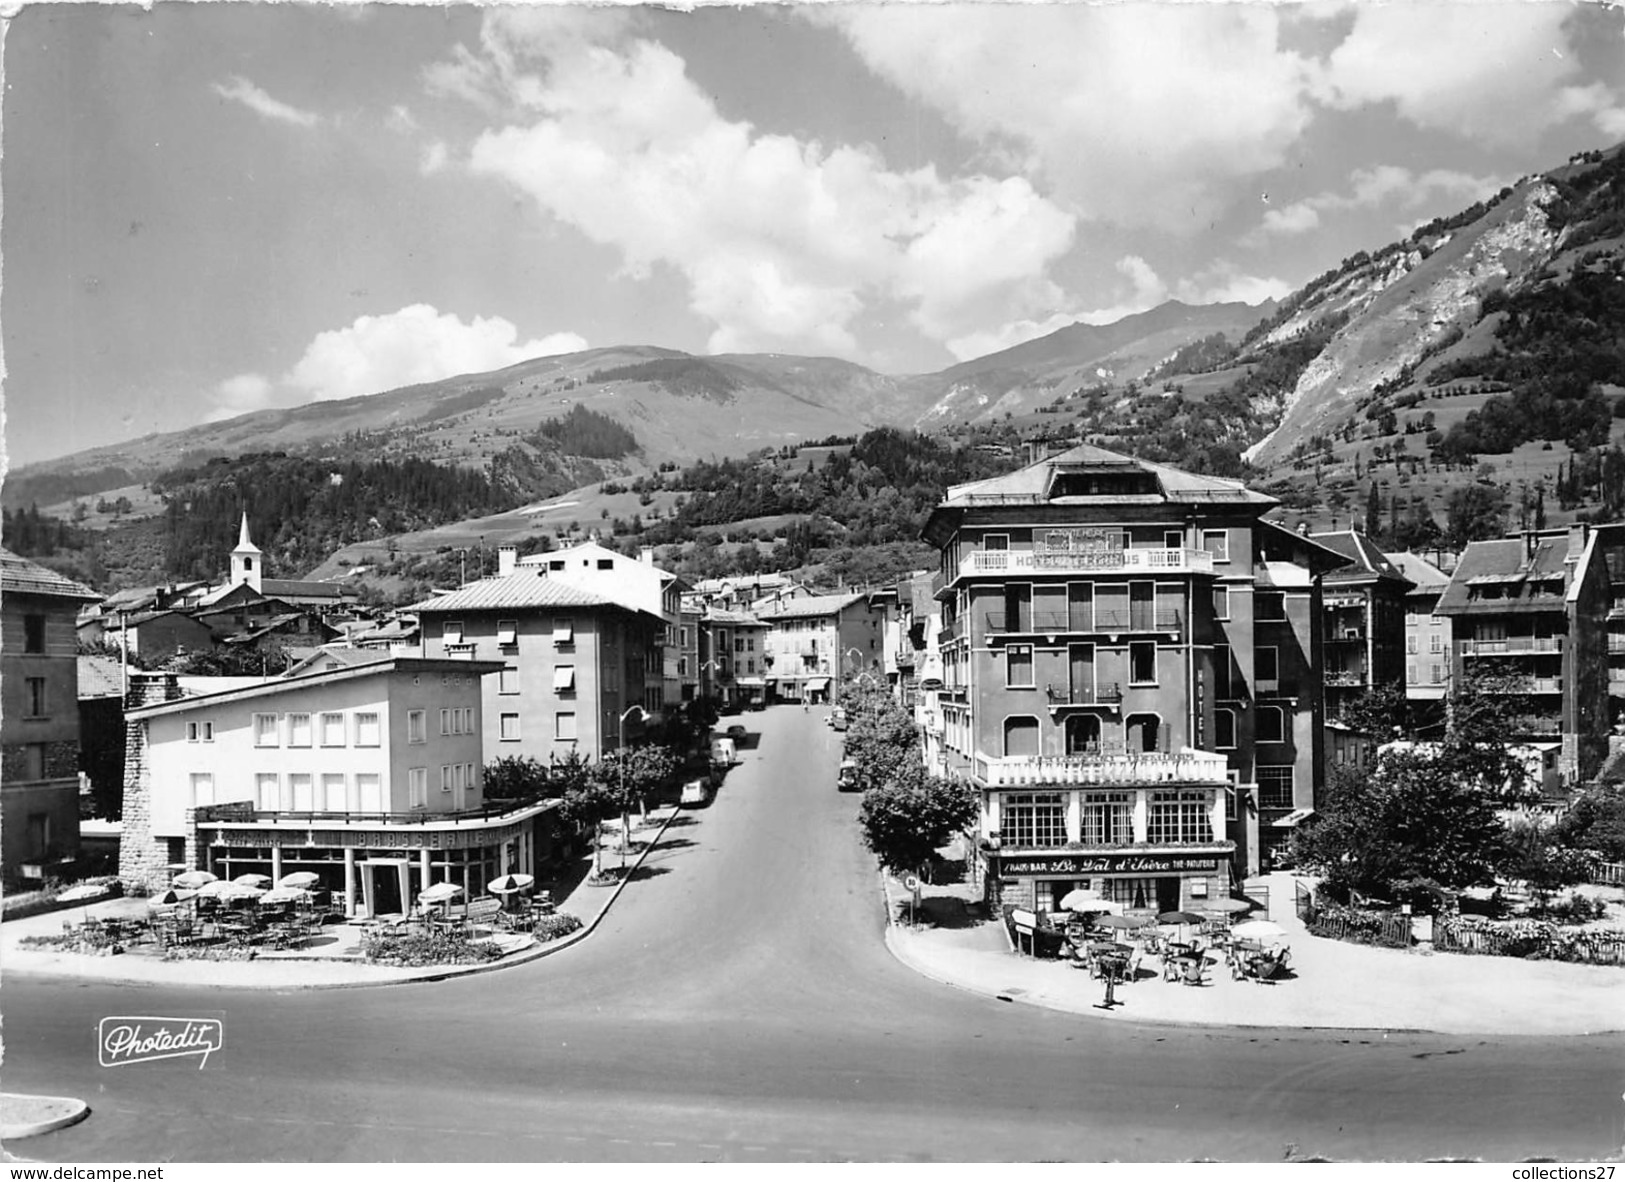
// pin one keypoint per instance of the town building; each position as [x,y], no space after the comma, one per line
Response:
[1427,633]
[39,719]
[1131,675]
[733,658]
[817,644]
[579,669]
[369,776]
[688,647]
[1529,622]
[1364,638]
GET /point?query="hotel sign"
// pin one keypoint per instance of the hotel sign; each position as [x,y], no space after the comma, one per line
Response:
[1076,549]
[1077,865]
[373,839]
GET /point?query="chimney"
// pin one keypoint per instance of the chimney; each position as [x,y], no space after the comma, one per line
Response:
[148,689]
[506,557]
[1577,540]
[646,555]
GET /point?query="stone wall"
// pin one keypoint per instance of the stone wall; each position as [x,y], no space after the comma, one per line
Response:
[61,761]
[143,860]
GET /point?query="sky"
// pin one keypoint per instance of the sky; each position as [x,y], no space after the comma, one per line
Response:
[211,209]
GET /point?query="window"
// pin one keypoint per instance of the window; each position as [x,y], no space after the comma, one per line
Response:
[1217,543]
[1269,606]
[1221,603]
[471,776]
[564,679]
[564,631]
[468,720]
[1275,786]
[445,777]
[1410,644]
[1108,818]
[333,794]
[366,730]
[1271,725]
[202,789]
[1223,673]
[303,792]
[417,788]
[33,634]
[508,680]
[265,730]
[995,541]
[369,792]
[416,726]
[606,564]
[564,725]
[1179,818]
[1021,736]
[1224,730]
[510,728]
[1019,666]
[1438,674]
[1172,539]
[445,721]
[1435,643]
[200,732]
[299,730]
[268,792]
[507,632]
[1410,674]
[1267,668]
[332,730]
[451,632]
[1033,820]
[36,697]
[1142,663]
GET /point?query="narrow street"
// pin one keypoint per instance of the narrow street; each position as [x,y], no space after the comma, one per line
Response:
[738,1003]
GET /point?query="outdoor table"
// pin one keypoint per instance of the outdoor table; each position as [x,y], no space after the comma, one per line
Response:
[1241,948]
[1191,966]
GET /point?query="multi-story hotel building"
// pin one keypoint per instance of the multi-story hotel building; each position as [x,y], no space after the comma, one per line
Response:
[819,643]
[1131,674]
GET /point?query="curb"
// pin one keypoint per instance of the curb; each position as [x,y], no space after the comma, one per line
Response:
[73,1112]
[451,971]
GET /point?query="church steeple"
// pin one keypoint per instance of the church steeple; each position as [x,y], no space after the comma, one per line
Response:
[246,560]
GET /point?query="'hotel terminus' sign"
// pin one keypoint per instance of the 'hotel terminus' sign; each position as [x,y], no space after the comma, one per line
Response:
[1073,548]
[1063,865]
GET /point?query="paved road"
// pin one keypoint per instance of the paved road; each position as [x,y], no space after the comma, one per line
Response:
[739,1005]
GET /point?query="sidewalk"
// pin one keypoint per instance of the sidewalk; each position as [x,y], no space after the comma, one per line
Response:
[1332,984]
[335,964]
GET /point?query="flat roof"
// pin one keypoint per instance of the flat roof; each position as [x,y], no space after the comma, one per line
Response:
[325,677]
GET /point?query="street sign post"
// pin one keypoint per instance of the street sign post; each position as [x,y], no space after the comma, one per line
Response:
[912,882]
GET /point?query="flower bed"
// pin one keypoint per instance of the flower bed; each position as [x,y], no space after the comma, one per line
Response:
[1354,925]
[1531,939]
[553,927]
[210,952]
[412,950]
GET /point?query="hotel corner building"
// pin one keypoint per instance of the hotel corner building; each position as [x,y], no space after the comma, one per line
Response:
[1131,675]
[368,775]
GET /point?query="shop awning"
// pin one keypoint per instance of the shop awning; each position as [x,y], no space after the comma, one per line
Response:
[754,682]
[817,683]
[1293,819]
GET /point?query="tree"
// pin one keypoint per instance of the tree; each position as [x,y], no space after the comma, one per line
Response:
[1596,822]
[881,737]
[1537,857]
[514,777]
[628,776]
[1475,512]
[905,820]
[1373,511]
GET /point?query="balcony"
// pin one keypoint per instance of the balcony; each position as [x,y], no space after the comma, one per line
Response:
[1536,724]
[1345,636]
[462,649]
[950,633]
[1108,694]
[244,813]
[1527,685]
[1114,621]
[1343,677]
[1101,561]
[1512,645]
[1114,768]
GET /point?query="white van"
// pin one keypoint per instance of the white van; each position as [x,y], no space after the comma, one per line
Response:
[724,751]
[696,792]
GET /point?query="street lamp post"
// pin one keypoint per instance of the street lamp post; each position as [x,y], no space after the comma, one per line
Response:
[620,754]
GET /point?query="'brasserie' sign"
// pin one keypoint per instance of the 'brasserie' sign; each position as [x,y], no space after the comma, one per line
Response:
[1081,864]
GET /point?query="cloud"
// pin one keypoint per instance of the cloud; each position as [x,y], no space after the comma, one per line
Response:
[1493,72]
[1370,188]
[241,90]
[240,395]
[433,158]
[1224,283]
[783,243]
[1131,113]
[416,344]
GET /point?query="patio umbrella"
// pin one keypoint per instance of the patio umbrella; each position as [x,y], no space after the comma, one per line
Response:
[440,892]
[510,884]
[1228,906]
[193,879]
[1125,921]
[261,882]
[89,890]
[1258,929]
[301,880]
[1076,900]
[1180,917]
[170,898]
[281,895]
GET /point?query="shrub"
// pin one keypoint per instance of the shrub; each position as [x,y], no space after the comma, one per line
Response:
[417,949]
[553,927]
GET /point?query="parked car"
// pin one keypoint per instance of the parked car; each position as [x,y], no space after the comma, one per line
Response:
[696,792]
[737,733]
[847,778]
[723,751]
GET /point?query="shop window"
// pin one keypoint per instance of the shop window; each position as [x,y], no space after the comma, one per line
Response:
[1019,666]
[1224,730]
[1179,818]
[1275,786]
[265,730]
[1033,820]
[299,730]
[1271,727]
[1108,818]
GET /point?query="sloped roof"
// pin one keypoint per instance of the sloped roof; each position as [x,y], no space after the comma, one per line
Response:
[1421,572]
[19,576]
[1506,561]
[721,615]
[813,605]
[1367,560]
[1033,481]
[527,588]
[336,657]
[304,588]
[100,677]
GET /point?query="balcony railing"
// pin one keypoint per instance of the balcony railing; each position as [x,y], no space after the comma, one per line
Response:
[1343,677]
[1171,561]
[1527,685]
[460,648]
[1106,694]
[1346,636]
[1512,644]
[1113,620]
[244,812]
[1536,724]
[1147,767]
